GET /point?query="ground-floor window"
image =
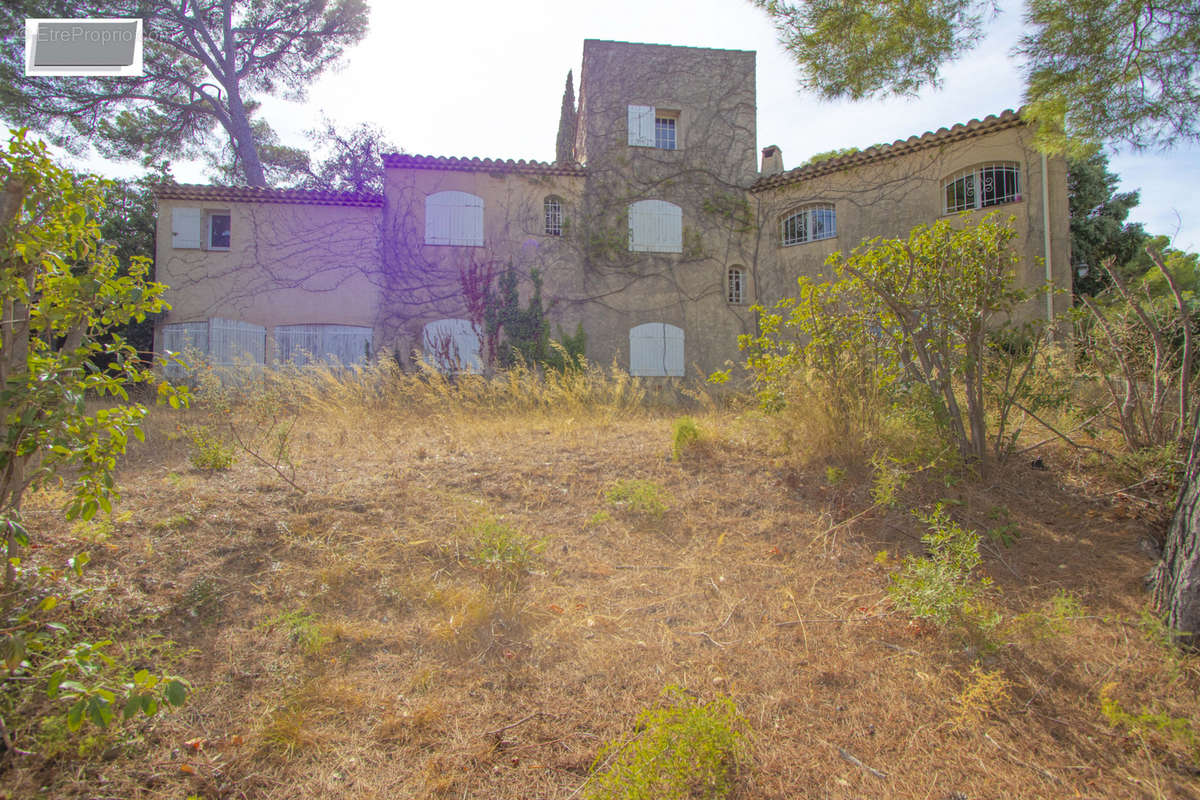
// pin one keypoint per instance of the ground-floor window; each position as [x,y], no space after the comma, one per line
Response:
[452,345]
[656,349]
[336,344]
[222,342]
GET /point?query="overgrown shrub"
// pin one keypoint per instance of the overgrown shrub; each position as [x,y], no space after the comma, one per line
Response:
[685,749]
[918,325]
[940,586]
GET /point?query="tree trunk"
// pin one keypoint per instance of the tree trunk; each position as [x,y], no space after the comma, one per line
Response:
[1177,577]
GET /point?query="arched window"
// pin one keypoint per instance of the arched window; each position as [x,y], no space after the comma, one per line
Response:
[554,215]
[454,218]
[735,286]
[656,350]
[655,226]
[982,186]
[808,224]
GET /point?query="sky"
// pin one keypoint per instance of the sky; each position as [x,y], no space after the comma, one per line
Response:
[486,79]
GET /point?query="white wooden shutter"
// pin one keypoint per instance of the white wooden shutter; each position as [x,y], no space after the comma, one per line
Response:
[231,342]
[454,218]
[346,344]
[656,350]
[187,226]
[655,226]
[337,344]
[452,345]
[641,126]
[178,338]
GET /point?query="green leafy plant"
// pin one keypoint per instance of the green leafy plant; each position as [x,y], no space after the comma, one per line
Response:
[902,327]
[1178,729]
[303,627]
[66,298]
[941,586]
[685,749]
[684,433]
[209,452]
[639,496]
[501,548]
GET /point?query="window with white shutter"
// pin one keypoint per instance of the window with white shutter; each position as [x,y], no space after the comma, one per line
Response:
[655,226]
[187,225]
[454,218]
[656,350]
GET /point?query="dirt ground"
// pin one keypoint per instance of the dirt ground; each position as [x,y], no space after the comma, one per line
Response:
[348,642]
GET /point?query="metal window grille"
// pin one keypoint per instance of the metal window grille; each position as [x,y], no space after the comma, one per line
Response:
[982,186]
[810,224]
[554,216]
[736,281]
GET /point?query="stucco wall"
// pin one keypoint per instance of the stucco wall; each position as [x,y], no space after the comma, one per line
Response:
[286,264]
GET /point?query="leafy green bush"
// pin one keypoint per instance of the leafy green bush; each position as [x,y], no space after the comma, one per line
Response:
[684,433]
[941,586]
[639,496]
[685,750]
[901,327]
[209,451]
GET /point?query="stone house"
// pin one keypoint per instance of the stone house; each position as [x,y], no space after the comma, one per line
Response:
[657,229]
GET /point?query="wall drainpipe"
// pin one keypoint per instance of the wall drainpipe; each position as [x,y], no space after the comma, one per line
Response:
[1046,242]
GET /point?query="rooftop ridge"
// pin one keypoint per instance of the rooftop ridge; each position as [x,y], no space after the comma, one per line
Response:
[203,191]
[477,164]
[962,130]
[674,46]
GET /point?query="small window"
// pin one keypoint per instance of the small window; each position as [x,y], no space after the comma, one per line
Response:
[735,286]
[554,216]
[653,127]
[664,133]
[983,186]
[810,224]
[218,231]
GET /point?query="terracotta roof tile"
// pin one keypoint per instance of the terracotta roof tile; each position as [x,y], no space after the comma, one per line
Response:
[975,127]
[253,194]
[405,161]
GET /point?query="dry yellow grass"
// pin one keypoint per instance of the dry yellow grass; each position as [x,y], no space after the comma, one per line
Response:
[344,644]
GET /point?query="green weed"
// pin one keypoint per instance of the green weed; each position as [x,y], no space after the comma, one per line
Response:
[209,451]
[941,587]
[684,434]
[501,548]
[685,750]
[639,496]
[304,629]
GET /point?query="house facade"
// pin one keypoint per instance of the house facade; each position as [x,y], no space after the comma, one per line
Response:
[657,232]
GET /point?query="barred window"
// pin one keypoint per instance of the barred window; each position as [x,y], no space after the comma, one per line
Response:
[735,286]
[983,186]
[810,224]
[554,216]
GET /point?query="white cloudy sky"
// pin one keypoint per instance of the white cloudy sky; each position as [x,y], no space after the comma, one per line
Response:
[485,79]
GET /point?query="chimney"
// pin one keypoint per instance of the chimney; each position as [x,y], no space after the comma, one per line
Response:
[772,160]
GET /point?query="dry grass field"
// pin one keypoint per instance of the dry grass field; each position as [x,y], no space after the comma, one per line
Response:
[458,605]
